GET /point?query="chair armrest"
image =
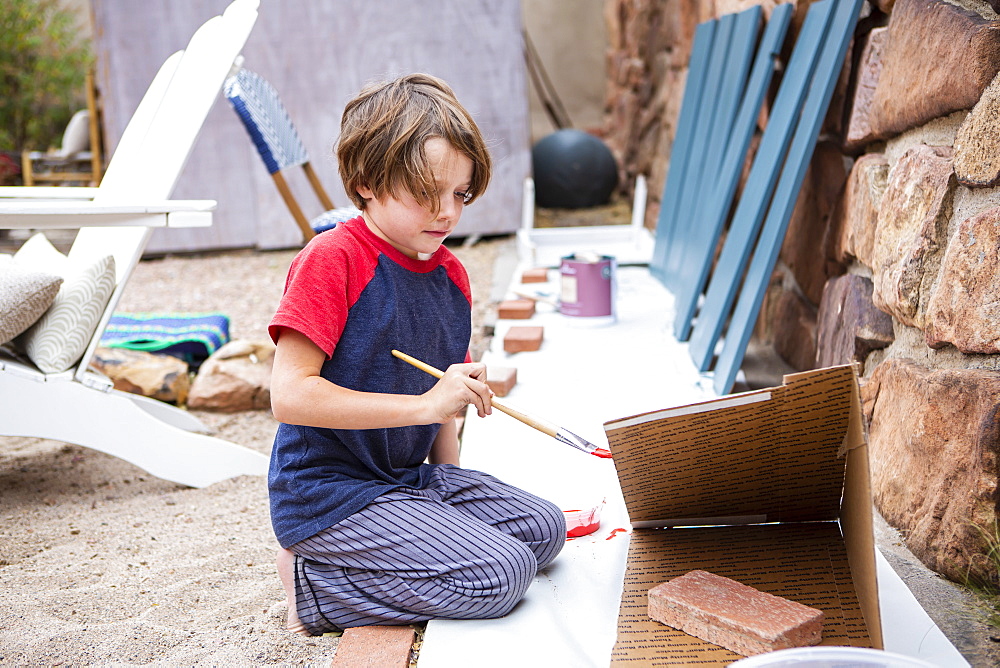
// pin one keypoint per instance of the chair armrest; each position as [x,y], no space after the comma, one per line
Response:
[74,214]
[47,192]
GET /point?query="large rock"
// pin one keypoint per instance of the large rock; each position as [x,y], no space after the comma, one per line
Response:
[809,248]
[793,324]
[850,326]
[859,208]
[939,58]
[648,43]
[237,377]
[963,309]
[669,102]
[977,143]
[138,372]
[672,27]
[859,130]
[911,231]
[933,442]
[621,109]
[787,321]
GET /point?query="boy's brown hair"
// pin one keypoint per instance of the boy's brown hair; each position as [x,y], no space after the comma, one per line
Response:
[382,137]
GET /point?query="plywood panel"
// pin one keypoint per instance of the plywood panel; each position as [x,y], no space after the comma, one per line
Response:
[318,54]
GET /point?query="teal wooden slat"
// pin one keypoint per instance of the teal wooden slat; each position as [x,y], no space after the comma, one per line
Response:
[691,189]
[701,50]
[760,184]
[769,245]
[712,216]
[746,27]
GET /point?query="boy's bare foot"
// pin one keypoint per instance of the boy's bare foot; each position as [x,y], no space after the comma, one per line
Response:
[286,563]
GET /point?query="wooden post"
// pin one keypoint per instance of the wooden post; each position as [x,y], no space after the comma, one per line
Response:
[293,206]
[317,186]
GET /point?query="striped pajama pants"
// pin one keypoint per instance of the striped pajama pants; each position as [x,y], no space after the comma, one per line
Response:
[466,547]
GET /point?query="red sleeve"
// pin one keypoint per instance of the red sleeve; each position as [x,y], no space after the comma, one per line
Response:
[456,272]
[324,281]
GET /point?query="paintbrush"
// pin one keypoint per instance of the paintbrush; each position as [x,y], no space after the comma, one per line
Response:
[537,297]
[558,433]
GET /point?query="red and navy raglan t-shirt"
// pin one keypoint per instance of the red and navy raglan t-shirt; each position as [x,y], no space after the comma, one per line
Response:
[358,298]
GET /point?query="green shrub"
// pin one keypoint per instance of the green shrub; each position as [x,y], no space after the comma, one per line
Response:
[43,65]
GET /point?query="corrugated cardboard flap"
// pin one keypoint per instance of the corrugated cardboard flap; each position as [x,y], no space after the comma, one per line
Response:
[771,455]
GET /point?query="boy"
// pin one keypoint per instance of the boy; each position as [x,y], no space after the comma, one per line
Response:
[370,532]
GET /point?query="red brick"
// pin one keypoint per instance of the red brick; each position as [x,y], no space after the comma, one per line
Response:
[516,309]
[501,379]
[375,647]
[536,275]
[731,614]
[522,339]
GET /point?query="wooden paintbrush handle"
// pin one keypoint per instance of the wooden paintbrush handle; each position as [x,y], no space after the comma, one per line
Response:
[540,425]
[437,373]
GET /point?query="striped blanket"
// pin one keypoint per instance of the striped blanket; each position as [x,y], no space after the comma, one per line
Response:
[190,336]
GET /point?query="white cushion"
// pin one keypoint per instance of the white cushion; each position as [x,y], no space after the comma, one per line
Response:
[25,294]
[76,137]
[61,336]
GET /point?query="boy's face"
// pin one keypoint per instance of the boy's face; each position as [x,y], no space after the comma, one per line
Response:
[409,226]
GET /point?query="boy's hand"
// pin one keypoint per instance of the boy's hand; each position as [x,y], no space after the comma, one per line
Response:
[461,385]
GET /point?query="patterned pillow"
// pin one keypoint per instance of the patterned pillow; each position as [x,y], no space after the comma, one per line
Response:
[60,337]
[24,296]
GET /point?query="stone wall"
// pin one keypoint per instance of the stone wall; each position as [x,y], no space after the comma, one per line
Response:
[892,257]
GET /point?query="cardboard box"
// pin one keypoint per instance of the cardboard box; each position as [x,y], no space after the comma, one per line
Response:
[769,488]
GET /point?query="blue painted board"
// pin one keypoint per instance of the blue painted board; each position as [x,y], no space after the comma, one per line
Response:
[701,50]
[769,244]
[750,210]
[735,66]
[716,206]
[704,130]
[746,28]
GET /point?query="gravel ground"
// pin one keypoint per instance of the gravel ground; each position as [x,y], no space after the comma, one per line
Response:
[102,564]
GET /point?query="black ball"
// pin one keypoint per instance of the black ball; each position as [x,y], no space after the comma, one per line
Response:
[573,170]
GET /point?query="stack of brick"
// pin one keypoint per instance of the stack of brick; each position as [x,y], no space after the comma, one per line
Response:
[523,338]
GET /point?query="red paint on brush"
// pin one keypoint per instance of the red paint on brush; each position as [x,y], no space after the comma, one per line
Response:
[602,452]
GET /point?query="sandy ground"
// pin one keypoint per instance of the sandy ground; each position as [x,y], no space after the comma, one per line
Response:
[103,564]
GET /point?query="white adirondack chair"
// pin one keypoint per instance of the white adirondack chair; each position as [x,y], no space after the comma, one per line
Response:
[80,405]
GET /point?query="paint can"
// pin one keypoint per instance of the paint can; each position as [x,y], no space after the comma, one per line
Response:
[587,288]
